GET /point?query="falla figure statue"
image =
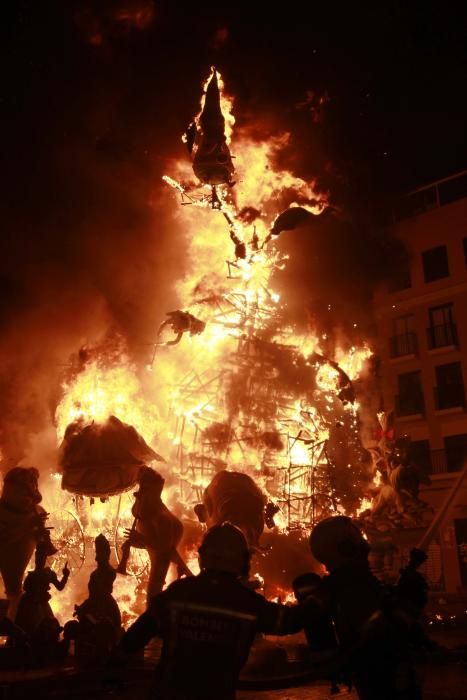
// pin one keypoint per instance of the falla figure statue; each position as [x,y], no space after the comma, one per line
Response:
[34,607]
[207,142]
[156,529]
[98,627]
[100,604]
[35,617]
[22,527]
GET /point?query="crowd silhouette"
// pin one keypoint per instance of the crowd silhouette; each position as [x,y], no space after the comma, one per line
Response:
[209,622]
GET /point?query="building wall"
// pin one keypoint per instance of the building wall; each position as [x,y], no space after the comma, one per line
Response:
[440,225]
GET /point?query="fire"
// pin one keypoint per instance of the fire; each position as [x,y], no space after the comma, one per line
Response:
[353,361]
[100,391]
[227,103]
[365,505]
[260,183]
[221,398]
[327,378]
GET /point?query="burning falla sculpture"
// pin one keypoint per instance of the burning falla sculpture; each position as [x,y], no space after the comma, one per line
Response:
[272,418]
[234,497]
[102,459]
[97,629]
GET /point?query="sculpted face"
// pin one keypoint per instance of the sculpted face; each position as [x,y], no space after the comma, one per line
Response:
[234,497]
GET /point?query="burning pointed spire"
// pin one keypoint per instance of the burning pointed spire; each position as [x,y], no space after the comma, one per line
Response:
[207,141]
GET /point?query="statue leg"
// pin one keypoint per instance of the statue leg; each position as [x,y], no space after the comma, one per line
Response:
[13,590]
[182,568]
[159,566]
[14,561]
[13,606]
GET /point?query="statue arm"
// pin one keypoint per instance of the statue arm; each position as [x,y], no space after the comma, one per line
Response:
[59,583]
[161,532]
[144,629]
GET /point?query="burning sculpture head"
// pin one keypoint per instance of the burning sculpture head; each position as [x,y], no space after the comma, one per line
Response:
[224,548]
[337,542]
[234,497]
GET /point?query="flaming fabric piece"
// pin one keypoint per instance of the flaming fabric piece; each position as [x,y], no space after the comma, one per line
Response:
[244,391]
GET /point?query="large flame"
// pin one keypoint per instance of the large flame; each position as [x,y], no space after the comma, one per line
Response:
[184,403]
[100,391]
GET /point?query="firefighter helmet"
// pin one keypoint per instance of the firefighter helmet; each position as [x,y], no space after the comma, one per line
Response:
[225,548]
[336,541]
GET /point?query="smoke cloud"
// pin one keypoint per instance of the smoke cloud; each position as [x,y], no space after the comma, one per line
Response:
[91,247]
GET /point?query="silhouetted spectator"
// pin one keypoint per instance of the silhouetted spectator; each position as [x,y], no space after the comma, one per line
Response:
[376,625]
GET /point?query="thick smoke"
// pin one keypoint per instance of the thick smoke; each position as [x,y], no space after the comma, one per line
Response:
[333,269]
[90,247]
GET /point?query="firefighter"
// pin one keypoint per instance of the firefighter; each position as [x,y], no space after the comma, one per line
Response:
[208,622]
[376,625]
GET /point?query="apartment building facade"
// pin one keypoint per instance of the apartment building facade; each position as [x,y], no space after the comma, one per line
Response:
[421,319]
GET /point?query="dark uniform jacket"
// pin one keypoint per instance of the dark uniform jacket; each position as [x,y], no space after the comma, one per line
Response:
[375,634]
[207,623]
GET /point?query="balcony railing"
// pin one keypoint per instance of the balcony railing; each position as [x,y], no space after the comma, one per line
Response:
[404,344]
[450,396]
[442,336]
[410,404]
[448,460]
[439,463]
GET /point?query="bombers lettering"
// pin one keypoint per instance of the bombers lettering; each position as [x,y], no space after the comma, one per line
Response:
[194,635]
[211,623]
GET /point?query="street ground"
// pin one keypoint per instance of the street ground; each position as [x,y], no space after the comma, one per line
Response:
[443,676]
[316,691]
[440,681]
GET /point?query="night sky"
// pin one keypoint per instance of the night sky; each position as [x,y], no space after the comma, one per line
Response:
[95,95]
[392,75]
